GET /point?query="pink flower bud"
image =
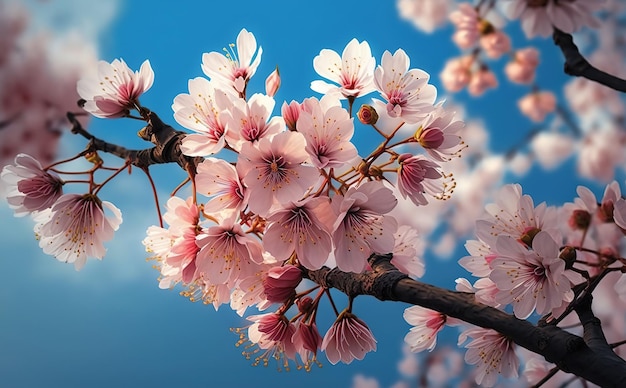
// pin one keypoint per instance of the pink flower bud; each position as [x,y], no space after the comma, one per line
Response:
[367,115]
[308,337]
[281,282]
[290,113]
[272,83]
[429,137]
[305,304]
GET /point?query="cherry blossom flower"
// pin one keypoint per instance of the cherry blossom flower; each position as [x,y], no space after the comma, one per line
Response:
[328,130]
[307,341]
[418,176]
[361,227]
[227,253]
[407,92]
[580,212]
[495,44]
[492,352]
[466,20]
[426,15]
[537,105]
[249,291]
[439,134]
[540,17]
[29,187]
[426,324]
[234,69]
[551,148]
[480,81]
[302,227]
[348,339]
[273,171]
[221,180]
[514,214]
[115,88]
[531,279]
[522,68]
[480,255]
[77,228]
[407,252]
[601,151]
[456,73]
[272,333]
[249,122]
[353,71]
[202,111]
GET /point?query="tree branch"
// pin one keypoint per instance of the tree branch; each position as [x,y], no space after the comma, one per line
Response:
[577,65]
[164,137]
[568,351]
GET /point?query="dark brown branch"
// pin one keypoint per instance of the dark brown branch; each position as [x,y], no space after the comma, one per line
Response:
[577,65]
[568,351]
[164,137]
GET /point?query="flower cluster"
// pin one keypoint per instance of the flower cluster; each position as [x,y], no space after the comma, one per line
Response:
[296,194]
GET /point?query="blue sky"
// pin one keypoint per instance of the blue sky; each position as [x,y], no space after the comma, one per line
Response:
[110,325]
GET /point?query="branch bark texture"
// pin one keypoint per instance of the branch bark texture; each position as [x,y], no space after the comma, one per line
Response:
[571,353]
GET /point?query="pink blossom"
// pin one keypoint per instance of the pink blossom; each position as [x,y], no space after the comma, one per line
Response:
[348,339]
[114,89]
[439,134]
[328,133]
[522,68]
[539,18]
[426,324]
[481,80]
[353,71]
[249,122]
[202,111]
[426,15]
[281,282]
[249,291]
[466,20]
[493,352]
[456,73]
[77,228]
[601,151]
[273,171]
[272,333]
[227,253]
[234,69]
[580,212]
[407,252]
[361,227]
[477,263]
[418,176]
[495,44]
[219,179]
[175,246]
[408,94]
[29,187]
[551,148]
[537,105]
[303,228]
[514,214]
[531,279]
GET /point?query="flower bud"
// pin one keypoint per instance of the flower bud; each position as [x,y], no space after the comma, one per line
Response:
[429,137]
[367,115]
[304,304]
[290,113]
[281,282]
[272,83]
